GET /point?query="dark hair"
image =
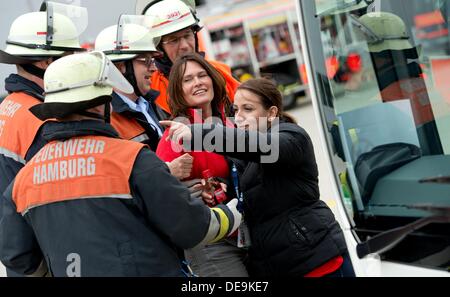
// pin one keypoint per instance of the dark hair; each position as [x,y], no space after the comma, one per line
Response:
[177,103]
[269,95]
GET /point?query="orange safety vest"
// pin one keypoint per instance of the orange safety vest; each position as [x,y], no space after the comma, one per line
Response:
[77,168]
[128,128]
[160,83]
[415,90]
[18,126]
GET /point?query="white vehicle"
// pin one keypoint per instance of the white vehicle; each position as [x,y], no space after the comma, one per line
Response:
[379,73]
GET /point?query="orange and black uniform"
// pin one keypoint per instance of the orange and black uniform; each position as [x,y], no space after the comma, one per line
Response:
[108,200]
[18,126]
[132,125]
[160,82]
[404,81]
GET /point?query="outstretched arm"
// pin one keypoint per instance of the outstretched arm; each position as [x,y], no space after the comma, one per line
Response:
[280,147]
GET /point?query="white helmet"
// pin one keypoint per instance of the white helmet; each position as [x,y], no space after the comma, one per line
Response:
[383,31]
[78,82]
[171,16]
[132,36]
[52,32]
[142,5]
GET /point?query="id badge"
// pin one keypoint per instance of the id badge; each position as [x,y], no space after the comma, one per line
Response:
[243,239]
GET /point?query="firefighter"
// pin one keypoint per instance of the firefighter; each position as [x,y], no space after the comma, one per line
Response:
[177,24]
[94,204]
[131,46]
[35,40]
[398,72]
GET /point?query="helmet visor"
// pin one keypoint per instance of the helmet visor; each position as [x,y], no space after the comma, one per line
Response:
[111,76]
[123,41]
[78,15]
[330,7]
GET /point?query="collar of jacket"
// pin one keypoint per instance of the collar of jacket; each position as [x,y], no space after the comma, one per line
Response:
[17,83]
[64,130]
[120,106]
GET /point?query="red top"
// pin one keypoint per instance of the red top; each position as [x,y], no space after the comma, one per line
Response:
[327,268]
[216,163]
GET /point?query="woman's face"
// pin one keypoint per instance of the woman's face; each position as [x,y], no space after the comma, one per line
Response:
[249,112]
[197,85]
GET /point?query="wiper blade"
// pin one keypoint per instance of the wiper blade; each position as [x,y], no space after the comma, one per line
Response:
[436,179]
[434,209]
[386,240]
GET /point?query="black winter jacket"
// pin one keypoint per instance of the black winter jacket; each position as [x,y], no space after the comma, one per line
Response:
[292,231]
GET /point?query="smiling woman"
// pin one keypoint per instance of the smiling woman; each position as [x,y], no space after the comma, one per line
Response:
[197,92]
[194,83]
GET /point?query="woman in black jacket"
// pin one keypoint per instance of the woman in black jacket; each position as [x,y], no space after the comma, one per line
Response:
[292,231]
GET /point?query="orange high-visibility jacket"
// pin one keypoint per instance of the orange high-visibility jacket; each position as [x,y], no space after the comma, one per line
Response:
[18,126]
[128,128]
[160,83]
[415,90]
[78,168]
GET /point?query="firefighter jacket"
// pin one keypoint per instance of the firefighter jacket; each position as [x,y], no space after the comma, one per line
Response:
[105,205]
[133,125]
[18,126]
[160,82]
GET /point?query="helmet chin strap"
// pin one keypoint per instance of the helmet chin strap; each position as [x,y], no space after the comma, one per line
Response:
[34,70]
[129,75]
[107,112]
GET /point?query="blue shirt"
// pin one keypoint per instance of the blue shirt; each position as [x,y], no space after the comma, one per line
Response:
[141,105]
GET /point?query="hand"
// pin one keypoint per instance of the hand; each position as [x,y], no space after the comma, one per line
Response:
[194,186]
[208,197]
[181,167]
[177,131]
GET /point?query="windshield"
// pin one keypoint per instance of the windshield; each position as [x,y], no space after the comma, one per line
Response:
[381,71]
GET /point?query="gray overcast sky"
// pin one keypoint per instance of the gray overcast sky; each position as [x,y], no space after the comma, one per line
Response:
[102,13]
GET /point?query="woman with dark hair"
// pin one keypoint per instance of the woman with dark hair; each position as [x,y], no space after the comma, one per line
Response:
[198,94]
[292,231]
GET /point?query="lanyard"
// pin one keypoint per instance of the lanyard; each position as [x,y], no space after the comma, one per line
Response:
[239,195]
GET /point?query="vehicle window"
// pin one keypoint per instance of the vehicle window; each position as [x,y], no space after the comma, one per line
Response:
[382,72]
